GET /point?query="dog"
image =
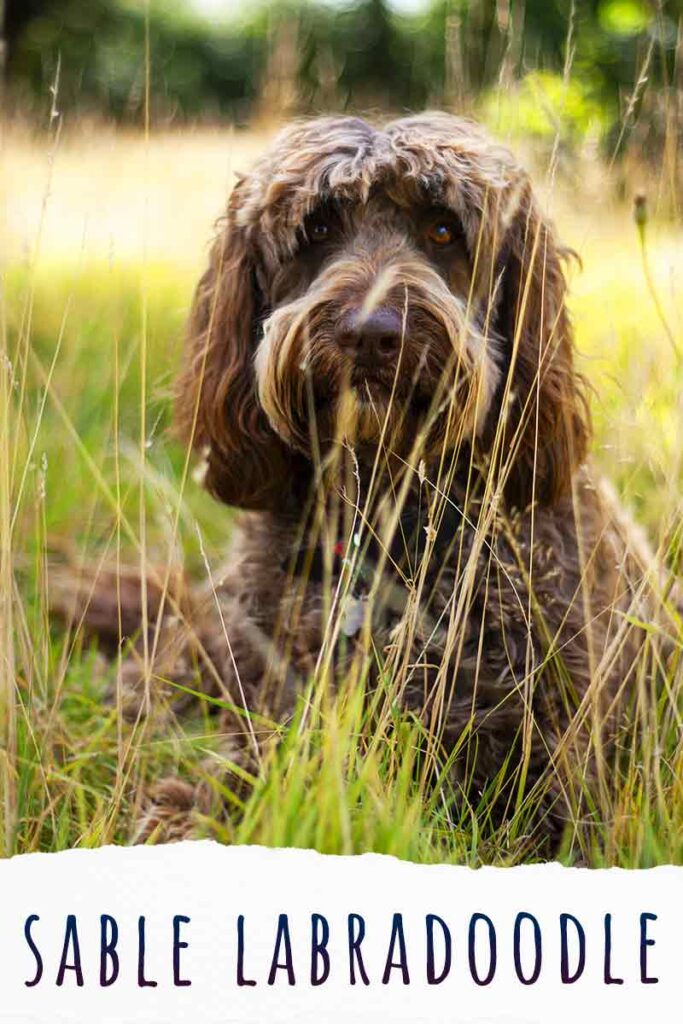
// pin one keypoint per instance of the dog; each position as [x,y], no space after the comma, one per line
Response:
[380,373]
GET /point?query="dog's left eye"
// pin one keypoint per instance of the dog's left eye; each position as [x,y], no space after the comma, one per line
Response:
[317,231]
[441,232]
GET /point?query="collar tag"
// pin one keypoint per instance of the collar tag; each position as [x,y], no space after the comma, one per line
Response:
[354,615]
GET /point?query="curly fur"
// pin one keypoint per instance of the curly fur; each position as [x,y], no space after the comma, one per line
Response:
[507,613]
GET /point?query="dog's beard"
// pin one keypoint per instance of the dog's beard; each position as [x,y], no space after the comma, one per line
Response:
[437,392]
[366,413]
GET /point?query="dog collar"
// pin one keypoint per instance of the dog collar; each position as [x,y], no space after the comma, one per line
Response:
[361,556]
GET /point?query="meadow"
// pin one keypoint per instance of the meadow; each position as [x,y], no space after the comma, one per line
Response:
[104,233]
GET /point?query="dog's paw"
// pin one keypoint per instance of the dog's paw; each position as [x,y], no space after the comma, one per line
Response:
[172,813]
[139,694]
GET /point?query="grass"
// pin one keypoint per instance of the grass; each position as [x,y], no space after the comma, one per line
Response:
[94,297]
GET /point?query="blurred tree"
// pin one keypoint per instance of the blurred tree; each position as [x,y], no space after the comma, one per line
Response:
[17,14]
[101,47]
[372,54]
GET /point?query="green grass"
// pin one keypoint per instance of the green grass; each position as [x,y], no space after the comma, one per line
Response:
[87,476]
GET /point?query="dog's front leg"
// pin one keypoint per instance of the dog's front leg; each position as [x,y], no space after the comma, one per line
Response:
[221,663]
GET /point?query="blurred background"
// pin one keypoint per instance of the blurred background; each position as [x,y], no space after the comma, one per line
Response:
[123,124]
[242,60]
[589,91]
[599,73]
[575,81]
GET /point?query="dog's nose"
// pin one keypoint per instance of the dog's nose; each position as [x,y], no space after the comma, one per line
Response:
[371,338]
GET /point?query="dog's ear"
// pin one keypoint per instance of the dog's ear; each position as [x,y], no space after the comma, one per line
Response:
[217,408]
[543,414]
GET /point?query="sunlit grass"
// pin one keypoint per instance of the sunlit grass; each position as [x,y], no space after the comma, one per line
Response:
[119,250]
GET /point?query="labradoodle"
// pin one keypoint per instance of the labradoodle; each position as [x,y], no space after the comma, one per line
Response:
[380,372]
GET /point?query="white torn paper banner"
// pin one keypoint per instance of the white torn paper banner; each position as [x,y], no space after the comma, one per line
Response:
[205,933]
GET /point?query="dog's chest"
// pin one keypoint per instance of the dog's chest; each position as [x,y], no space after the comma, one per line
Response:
[437,594]
[443,616]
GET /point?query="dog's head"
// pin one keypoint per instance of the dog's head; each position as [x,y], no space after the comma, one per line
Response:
[395,286]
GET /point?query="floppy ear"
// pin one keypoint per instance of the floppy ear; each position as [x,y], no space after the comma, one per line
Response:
[217,408]
[545,420]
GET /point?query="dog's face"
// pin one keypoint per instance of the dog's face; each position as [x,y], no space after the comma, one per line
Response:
[368,333]
[393,286]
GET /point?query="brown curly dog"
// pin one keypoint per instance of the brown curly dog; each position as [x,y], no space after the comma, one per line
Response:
[380,370]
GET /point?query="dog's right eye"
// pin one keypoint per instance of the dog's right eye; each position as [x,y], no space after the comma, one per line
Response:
[317,230]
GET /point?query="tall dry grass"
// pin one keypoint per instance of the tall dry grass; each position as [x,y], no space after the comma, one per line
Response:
[104,234]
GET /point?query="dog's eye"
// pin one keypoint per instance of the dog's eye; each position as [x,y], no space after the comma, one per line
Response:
[441,232]
[317,230]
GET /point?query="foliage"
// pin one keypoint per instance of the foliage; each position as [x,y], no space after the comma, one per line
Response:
[349,54]
[100,49]
[544,106]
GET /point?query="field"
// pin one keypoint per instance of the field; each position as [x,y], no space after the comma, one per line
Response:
[104,233]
